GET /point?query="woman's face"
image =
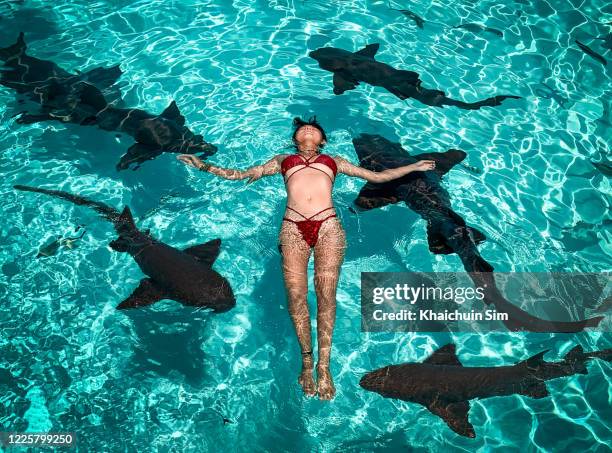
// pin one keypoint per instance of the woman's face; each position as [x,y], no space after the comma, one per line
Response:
[309,133]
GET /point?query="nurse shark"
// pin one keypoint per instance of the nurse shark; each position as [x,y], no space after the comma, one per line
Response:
[185,276]
[445,387]
[79,99]
[350,68]
[447,231]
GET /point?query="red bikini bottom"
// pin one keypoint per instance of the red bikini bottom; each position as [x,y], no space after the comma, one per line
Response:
[308,227]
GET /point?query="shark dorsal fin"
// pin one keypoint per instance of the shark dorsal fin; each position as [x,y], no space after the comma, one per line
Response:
[444,356]
[369,50]
[536,360]
[206,253]
[172,113]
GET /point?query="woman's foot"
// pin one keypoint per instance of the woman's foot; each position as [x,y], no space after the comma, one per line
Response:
[325,384]
[305,379]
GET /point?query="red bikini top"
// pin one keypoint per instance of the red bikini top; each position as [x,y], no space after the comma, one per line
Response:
[296,159]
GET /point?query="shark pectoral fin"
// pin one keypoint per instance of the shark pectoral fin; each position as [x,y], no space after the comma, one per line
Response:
[436,242]
[173,113]
[145,294]
[206,253]
[537,390]
[373,196]
[119,245]
[341,84]
[446,355]
[137,154]
[369,50]
[103,78]
[89,94]
[455,415]
[444,161]
[477,235]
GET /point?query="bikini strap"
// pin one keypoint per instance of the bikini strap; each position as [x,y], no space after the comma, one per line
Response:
[309,218]
[307,164]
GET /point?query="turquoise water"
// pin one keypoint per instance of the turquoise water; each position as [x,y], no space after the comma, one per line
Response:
[163,378]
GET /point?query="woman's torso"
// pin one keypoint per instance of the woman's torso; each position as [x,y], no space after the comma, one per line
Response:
[308,182]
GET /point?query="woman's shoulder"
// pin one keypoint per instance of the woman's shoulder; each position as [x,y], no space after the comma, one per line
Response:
[338,159]
[281,157]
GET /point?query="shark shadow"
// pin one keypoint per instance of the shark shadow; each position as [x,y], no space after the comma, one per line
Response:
[445,387]
[447,231]
[185,276]
[350,68]
[169,341]
[80,99]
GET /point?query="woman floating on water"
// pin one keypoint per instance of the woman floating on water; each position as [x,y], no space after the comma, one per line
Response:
[310,222]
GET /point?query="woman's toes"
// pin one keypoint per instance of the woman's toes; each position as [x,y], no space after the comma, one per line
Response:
[307,383]
[325,384]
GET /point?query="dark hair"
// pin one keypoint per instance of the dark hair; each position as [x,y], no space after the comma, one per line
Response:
[312,121]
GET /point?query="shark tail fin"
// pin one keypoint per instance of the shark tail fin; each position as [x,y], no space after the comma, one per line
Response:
[104,210]
[15,50]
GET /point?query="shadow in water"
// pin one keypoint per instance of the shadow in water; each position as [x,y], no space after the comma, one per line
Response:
[278,331]
[169,340]
[33,21]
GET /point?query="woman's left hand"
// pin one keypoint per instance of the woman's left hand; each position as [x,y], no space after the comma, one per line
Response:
[424,165]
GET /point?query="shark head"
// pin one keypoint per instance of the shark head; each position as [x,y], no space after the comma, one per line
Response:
[168,132]
[366,143]
[330,58]
[374,381]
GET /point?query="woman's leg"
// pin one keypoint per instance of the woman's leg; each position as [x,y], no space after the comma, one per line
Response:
[295,253]
[329,254]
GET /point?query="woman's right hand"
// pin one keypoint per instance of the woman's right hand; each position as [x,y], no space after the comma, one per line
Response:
[191,160]
[425,165]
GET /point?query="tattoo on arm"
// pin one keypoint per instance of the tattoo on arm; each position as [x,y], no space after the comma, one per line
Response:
[269,168]
[344,166]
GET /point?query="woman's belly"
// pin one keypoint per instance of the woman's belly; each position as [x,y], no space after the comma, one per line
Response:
[309,193]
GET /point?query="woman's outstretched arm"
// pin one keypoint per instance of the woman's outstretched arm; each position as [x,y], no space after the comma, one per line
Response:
[268,168]
[344,166]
